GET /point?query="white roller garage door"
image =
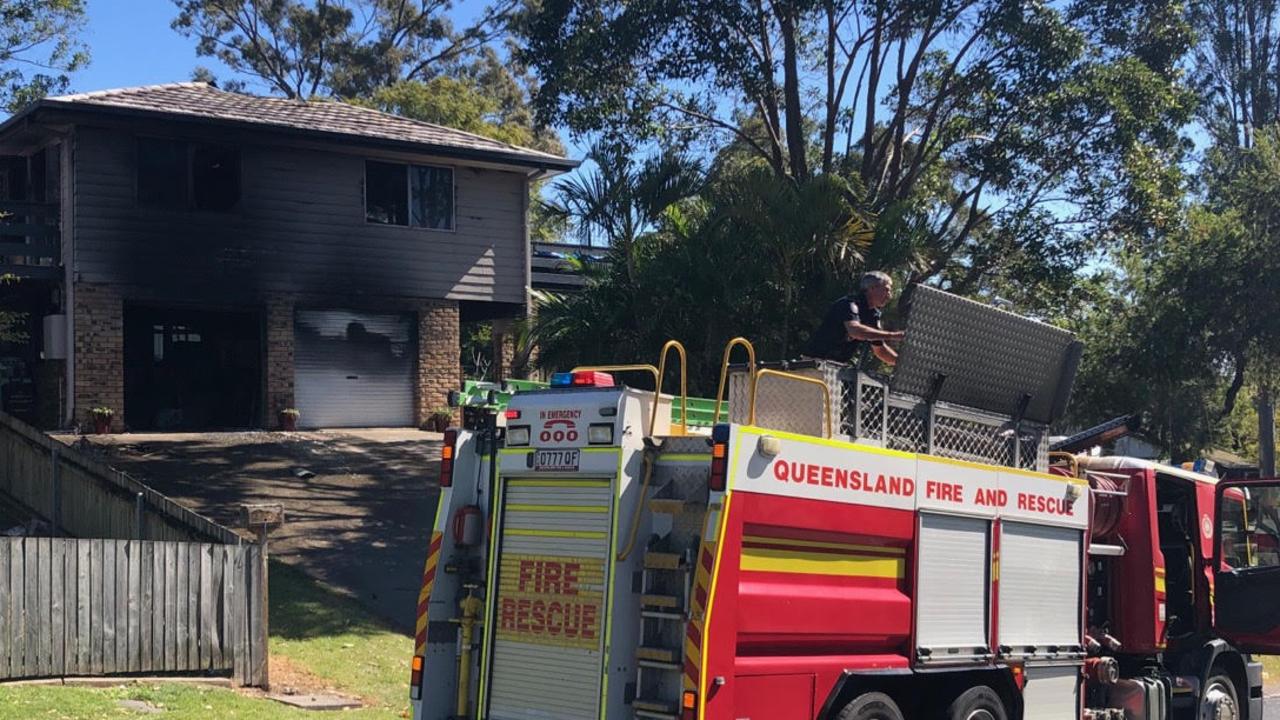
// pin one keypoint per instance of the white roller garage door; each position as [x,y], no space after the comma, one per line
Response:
[354,369]
[550,607]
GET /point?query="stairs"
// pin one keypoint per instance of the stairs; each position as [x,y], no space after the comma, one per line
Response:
[667,582]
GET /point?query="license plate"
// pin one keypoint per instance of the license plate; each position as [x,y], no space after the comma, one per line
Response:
[549,460]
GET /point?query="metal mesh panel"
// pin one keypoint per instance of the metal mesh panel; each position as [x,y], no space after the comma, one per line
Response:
[907,429]
[967,438]
[791,406]
[869,410]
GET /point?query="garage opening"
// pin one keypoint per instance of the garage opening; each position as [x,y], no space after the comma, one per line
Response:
[354,369]
[189,369]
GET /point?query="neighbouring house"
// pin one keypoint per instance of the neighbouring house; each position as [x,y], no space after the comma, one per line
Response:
[195,259]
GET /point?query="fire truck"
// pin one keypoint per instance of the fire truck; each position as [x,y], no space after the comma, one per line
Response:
[836,545]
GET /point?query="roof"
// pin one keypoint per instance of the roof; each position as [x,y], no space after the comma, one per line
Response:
[200,101]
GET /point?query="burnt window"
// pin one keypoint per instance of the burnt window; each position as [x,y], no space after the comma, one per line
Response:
[417,195]
[162,173]
[386,193]
[215,177]
[182,175]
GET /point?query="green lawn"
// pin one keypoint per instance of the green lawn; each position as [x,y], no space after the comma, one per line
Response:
[314,631]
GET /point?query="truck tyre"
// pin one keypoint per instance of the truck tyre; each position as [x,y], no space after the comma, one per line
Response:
[978,703]
[1219,701]
[871,706]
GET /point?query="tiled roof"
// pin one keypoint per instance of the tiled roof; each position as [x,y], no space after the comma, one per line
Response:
[200,100]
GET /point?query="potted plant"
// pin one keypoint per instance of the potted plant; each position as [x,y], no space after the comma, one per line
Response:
[102,419]
[440,419]
[289,419]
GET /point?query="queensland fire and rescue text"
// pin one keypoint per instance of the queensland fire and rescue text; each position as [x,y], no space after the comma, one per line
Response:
[884,484]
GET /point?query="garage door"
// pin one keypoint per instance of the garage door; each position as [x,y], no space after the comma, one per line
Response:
[548,650]
[354,369]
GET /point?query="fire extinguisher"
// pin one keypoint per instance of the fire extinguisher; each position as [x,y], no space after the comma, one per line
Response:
[467,523]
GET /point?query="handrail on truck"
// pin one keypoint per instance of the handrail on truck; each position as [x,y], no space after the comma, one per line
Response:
[658,373]
[724,374]
[826,395]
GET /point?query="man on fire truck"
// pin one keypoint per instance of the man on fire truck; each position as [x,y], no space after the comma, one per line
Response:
[854,319]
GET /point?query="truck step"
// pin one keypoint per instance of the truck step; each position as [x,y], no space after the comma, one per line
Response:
[663,561]
[655,715]
[660,615]
[655,709]
[672,667]
[660,601]
[657,654]
[666,506]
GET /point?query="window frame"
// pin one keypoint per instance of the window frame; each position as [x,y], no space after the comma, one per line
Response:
[408,188]
[189,204]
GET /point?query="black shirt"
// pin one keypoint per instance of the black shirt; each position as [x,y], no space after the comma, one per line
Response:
[831,340]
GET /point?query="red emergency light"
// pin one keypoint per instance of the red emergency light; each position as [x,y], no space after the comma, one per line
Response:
[591,378]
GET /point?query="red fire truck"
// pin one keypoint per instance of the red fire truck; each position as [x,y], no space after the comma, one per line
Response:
[838,548]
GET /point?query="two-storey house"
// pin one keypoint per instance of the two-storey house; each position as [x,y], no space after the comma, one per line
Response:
[198,259]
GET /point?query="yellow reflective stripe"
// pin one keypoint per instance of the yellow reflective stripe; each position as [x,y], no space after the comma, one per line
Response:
[817,544]
[558,483]
[514,451]
[802,563]
[579,534]
[711,598]
[1159,584]
[598,450]
[559,508]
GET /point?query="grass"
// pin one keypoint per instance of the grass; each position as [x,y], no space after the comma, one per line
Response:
[317,637]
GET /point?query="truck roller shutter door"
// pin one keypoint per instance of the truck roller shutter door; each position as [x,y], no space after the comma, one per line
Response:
[548,648]
[1039,587]
[952,586]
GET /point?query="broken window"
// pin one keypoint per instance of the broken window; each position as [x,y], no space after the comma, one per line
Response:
[386,193]
[183,175]
[417,195]
[162,173]
[215,177]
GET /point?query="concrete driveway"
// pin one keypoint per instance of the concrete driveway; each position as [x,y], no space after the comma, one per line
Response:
[358,503]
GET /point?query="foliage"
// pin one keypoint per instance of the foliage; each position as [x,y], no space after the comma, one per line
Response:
[12,324]
[992,138]
[39,47]
[343,48]
[701,260]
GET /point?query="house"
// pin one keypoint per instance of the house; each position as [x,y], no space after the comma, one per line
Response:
[194,258]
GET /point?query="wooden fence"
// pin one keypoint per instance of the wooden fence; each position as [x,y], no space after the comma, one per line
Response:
[150,586]
[104,607]
[83,497]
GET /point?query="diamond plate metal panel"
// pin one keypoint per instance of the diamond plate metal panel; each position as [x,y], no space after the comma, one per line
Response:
[990,357]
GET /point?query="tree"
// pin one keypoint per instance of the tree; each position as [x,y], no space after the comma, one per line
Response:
[962,121]
[339,48]
[39,47]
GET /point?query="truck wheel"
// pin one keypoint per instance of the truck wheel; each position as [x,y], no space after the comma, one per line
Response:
[979,703]
[1219,700]
[872,706]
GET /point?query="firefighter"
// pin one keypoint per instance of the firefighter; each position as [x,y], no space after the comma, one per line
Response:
[855,319]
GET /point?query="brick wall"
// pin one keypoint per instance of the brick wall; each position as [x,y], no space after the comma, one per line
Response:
[99,352]
[279,354]
[439,349]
